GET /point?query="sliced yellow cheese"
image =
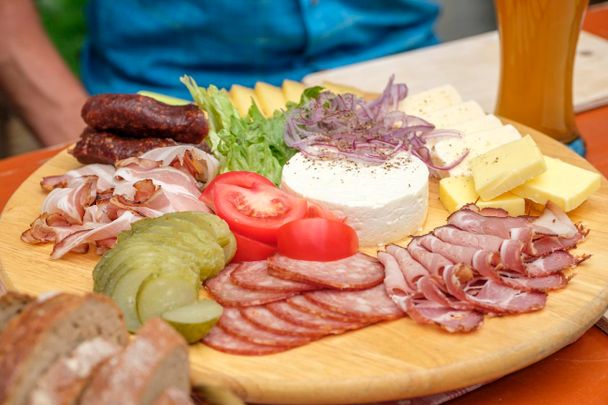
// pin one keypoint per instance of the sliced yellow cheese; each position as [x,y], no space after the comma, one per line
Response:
[292,91]
[342,88]
[566,185]
[454,192]
[242,98]
[271,98]
[506,167]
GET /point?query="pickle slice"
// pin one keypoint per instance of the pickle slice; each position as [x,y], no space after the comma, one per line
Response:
[164,291]
[194,320]
[125,295]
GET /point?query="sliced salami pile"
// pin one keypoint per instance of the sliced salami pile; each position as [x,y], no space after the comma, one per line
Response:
[482,262]
[281,303]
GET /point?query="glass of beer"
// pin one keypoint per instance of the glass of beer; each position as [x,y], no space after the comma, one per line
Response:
[537,47]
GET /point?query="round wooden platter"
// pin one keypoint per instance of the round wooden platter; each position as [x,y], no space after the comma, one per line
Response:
[393,360]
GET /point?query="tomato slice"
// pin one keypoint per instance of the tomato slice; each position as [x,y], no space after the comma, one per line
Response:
[248,250]
[257,212]
[317,239]
[317,211]
[238,178]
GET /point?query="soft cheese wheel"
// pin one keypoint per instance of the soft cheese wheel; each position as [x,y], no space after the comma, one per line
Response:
[430,100]
[383,203]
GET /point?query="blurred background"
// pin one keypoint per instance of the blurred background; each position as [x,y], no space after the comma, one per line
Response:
[64,21]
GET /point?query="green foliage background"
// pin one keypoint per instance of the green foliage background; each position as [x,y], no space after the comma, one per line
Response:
[65,23]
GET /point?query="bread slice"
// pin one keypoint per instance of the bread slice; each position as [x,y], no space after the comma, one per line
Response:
[11,305]
[155,360]
[47,330]
[174,396]
[65,380]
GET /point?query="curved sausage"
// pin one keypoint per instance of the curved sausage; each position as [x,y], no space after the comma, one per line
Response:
[139,116]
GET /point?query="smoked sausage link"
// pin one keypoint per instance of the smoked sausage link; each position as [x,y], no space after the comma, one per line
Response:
[139,116]
[104,147]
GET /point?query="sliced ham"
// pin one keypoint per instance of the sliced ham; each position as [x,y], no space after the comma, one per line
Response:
[412,270]
[455,236]
[352,273]
[294,315]
[222,341]
[370,305]
[394,282]
[548,244]
[449,319]
[263,318]
[471,221]
[255,276]
[554,221]
[227,293]
[553,263]
[233,322]
[433,262]
[521,282]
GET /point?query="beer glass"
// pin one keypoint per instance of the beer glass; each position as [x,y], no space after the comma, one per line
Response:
[537,47]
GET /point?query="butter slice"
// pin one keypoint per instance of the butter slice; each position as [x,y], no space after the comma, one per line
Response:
[454,192]
[242,98]
[506,167]
[271,98]
[566,185]
[292,91]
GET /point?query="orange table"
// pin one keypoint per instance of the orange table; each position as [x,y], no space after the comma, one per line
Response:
[577,374]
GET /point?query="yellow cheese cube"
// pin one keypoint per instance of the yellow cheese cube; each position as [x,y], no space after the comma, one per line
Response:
[242,98]
[454,192]
[292,90]
[566,185]
[271,98]
[506,167]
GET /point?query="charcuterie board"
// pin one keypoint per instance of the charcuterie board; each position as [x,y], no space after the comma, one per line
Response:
[393,360]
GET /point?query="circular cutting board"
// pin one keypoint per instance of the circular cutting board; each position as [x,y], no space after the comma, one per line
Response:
[392,360]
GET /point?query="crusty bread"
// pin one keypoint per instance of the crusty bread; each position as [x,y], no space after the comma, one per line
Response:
[155,360]
[48,330]
[11,304]
[174,396]
[65,380]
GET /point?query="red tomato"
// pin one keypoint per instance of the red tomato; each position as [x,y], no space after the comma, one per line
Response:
[257,212]
[238,178]
[248,250]
[317,239]
[316,211]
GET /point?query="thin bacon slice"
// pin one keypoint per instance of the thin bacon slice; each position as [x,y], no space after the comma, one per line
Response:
[71,202]
[104,174]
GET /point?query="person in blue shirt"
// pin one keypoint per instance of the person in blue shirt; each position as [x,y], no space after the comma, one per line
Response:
[149,44]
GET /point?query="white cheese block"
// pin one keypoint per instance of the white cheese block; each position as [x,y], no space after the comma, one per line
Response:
[383,203]
[489,121]
[430,100]
[448,150]
[450,116]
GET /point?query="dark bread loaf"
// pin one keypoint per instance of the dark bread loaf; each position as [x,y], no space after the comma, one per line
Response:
[48,330]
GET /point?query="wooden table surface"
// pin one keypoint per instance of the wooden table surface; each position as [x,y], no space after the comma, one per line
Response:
[577,374]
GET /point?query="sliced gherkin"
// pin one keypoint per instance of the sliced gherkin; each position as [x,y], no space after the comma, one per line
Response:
[125,295]
[165,291]
[194,320]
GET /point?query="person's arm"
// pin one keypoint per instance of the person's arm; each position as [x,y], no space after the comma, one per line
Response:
[36,80]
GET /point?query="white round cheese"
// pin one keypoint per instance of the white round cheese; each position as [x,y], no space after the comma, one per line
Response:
[382,202]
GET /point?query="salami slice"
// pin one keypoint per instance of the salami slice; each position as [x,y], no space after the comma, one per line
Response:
[227,343]
[305,305]
[235,324]
[289,313]
[255,276]
[352,273]
[224,291]
[263,318]
[372,304]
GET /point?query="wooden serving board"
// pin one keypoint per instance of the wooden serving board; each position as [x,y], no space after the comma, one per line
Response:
[393,360]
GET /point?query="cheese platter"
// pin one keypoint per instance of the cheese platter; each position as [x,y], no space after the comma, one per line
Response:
[380,357]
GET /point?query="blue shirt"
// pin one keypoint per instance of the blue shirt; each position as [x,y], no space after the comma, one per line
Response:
[148,44]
